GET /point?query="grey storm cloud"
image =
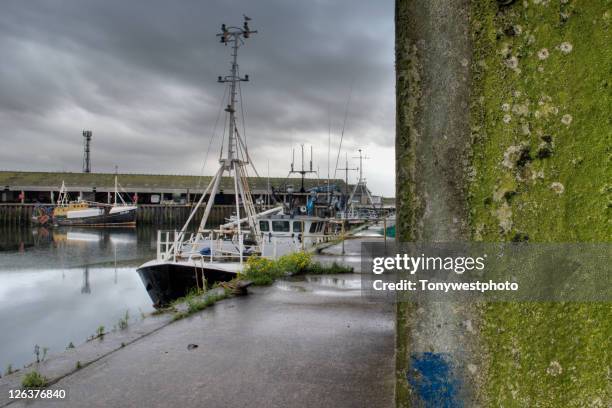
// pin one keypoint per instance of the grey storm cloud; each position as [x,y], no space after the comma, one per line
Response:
[142,75]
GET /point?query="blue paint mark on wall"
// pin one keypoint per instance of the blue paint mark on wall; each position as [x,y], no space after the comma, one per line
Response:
[434,381]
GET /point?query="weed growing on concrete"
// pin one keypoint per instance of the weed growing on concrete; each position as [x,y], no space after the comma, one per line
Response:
[196,303]
[263,271]
[34,379]
[37,353]
[335,268]
[123,322]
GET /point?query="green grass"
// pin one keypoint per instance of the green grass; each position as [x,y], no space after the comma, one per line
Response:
[264,271]
[197,300]
[131,181]
[316,268]
[34,379]
[544,354]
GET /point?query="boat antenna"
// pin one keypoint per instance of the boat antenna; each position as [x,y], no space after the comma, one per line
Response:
[303,171]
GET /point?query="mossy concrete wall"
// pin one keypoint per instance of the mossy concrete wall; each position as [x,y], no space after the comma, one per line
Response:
[532,165]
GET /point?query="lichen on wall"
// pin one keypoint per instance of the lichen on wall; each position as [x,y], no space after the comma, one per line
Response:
[542,148]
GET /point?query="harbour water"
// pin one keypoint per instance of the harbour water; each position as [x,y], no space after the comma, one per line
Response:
[57,286]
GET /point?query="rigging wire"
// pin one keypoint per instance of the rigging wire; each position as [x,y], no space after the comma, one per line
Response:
[348,101]
[243,140]
[242,115]
[212,137]
[225,122]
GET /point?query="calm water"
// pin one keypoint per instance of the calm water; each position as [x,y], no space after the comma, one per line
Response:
[57,286]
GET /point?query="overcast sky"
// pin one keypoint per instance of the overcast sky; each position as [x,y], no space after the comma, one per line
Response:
[142,75]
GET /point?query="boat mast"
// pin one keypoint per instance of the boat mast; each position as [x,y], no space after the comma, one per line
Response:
[233,163]
[236,147]
[361,184]
[346,185]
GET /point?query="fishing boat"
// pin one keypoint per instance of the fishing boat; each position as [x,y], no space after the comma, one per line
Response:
[86,213]
[186,259]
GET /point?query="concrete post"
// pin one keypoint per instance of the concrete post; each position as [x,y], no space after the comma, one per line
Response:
[432,140]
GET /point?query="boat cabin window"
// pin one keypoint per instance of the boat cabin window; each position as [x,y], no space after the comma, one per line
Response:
[264,226]
[280,226]
[297,226]
[313,227]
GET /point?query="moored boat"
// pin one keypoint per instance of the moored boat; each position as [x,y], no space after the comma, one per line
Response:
[187,260]
[86,213]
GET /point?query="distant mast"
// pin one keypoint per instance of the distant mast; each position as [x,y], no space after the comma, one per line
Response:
[86,155]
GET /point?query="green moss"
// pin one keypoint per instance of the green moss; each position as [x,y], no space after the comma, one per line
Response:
[402,390]
[543,354]
[575,84]
[408,93]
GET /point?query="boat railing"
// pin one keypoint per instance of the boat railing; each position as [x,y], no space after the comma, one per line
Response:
[223,245]
[212,245]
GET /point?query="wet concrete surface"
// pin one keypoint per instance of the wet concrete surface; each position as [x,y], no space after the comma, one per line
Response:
[308,342]
[352,248]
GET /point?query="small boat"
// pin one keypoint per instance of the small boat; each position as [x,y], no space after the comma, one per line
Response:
[116,216]
[86,213]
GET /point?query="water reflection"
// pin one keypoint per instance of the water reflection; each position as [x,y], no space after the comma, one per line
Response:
[344,285]
[58,285]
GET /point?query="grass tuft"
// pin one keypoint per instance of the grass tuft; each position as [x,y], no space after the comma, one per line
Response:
[123,322]
[263,271]
[34,379]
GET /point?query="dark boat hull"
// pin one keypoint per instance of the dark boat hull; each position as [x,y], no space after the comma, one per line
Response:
[167,282]
[120,219]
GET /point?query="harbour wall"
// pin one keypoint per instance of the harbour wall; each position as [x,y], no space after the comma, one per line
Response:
[149,214]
